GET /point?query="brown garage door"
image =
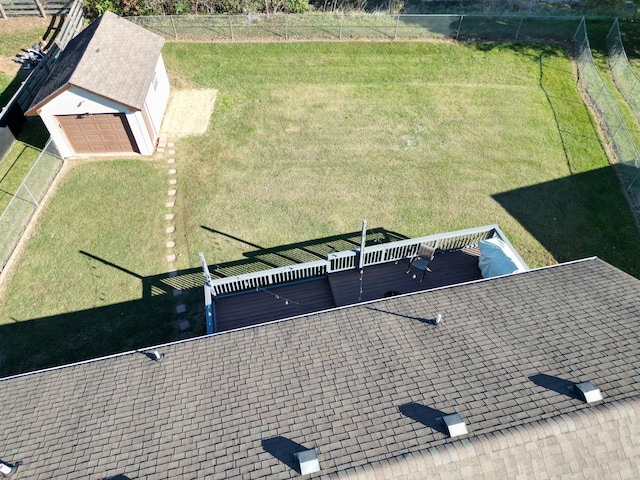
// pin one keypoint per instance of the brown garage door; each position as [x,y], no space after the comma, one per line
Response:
[99,133]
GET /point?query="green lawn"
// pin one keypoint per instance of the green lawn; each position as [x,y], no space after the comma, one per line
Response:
[439,130]
[305,141]
[13,169]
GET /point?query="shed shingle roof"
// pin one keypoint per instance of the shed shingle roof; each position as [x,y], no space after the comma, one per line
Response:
[364,383]
[112,58]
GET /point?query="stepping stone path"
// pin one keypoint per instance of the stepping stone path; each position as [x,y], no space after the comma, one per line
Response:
[167,150]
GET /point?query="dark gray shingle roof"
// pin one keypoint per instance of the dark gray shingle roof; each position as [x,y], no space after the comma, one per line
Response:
[363,383]
[112,58]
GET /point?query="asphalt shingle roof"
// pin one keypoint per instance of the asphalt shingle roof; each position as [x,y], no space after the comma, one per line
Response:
[364,383]
[112,58]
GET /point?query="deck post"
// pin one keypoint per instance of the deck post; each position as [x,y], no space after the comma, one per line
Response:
[208,303]
[40,9]
[208,308]
[363,240]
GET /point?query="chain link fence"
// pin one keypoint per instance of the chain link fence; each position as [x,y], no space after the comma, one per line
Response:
[624,76]
[26,200]
[615,128]
[359,26]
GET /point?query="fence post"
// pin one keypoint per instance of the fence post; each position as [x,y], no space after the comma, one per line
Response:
[615,22]
[39,5]
[231,26]
[363,241]
[618,43]
[459,26]
[210,318]
[395,36]
[175,32]
[286,27]
[578,29]
[598,96]
[341,20]
[519,27]
[31,194]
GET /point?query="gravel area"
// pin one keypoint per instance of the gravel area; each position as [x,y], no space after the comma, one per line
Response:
[188,113]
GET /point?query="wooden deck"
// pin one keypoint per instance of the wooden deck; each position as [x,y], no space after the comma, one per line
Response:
[343,288]
[261,306]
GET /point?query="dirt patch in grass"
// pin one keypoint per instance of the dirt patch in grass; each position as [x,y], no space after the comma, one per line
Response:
[188,112]
[17,33]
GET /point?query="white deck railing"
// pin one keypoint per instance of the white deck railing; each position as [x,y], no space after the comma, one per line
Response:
[266,278]
[346,260]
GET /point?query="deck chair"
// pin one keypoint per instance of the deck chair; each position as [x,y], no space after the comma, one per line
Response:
[421,260]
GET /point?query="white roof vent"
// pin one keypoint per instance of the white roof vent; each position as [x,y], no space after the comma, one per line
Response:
[6,469]
[588,392]
[455,425]
[308,461]
[157,356]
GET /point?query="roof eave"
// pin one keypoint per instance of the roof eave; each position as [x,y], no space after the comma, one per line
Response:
[35,109]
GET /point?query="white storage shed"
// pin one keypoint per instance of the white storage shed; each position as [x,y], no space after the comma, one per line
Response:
[107,92]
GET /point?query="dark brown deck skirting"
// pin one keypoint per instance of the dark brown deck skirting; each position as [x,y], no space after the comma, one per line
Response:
[343,288]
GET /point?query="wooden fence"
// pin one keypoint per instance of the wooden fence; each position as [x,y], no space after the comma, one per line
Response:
[15,8]
[64,26]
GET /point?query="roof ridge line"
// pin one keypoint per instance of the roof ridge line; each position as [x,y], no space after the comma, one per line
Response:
[570,262]
[500,440]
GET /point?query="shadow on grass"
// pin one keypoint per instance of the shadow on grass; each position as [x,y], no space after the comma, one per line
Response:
[75,336]
[585,213]
[509,27]
[598,29]
[29,131]
[300,252]
[573,217]
[517,29]
[579,216]
[33,133]
[11,89]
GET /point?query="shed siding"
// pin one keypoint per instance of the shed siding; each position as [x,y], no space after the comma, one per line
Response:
[157,97]
[77,101]
[140,133]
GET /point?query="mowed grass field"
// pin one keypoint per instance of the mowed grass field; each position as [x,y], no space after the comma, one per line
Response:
[306,140]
